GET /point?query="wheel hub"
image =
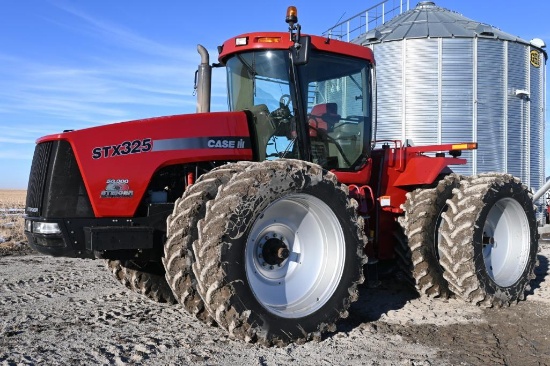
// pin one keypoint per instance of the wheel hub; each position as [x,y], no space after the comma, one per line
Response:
[488,240]
[273,251]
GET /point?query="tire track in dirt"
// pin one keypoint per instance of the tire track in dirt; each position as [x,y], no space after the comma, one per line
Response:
[468,335]
[72,312]
[64,311]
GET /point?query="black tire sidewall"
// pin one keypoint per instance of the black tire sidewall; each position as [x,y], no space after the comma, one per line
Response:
[431,252]
[494,194]
[233,262]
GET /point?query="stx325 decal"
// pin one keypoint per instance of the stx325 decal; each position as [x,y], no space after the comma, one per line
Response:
[124,148]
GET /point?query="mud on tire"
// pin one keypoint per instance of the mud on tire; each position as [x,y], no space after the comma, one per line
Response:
[272,250]
[146,279]
[182,232]
[489,240]
[421,224]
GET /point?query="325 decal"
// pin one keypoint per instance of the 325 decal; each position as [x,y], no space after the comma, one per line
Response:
[124,148]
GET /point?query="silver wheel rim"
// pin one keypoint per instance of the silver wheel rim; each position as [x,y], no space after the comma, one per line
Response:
[506,242]
[301,281]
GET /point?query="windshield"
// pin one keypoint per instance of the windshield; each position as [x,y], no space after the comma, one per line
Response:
[335,91]
[256,78]
[259,81]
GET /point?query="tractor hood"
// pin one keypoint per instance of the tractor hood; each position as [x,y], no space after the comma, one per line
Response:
[126,155]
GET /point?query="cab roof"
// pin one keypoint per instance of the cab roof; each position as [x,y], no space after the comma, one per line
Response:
[281,41]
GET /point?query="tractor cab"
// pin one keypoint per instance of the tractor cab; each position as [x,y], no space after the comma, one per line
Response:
[310,97]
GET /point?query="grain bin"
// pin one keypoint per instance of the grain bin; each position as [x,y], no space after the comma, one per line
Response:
[445,78]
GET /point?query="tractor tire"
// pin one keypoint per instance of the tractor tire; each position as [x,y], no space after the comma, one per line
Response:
[182,232]
[146,279]
[280,253]
[403,256]
[421,223]
[489,240]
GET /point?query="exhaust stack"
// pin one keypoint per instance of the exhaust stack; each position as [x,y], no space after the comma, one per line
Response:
[203,80]
[538,194]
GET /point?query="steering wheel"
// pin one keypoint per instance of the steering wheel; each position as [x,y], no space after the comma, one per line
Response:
[284,101]
[281,116]
[282,113]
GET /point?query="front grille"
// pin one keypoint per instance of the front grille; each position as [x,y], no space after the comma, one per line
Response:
[37,178]
[56,188]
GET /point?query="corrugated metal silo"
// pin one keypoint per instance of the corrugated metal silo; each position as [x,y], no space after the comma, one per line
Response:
[444,78]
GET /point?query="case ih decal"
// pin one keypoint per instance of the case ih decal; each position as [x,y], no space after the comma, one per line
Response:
[218,142]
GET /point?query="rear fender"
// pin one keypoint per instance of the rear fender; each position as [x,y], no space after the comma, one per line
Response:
[424,170]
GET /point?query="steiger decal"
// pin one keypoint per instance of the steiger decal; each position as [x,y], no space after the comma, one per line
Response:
[117,188]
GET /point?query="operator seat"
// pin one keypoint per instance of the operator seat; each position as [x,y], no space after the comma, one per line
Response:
[321,121]
[323,117]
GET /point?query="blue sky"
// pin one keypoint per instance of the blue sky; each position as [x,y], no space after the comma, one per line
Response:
[76,64]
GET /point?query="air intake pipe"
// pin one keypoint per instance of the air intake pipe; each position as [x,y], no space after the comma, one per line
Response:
[203,81]
[538,194]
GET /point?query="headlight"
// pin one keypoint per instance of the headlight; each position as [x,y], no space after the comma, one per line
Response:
[45,228]
[241,41]
[28,225]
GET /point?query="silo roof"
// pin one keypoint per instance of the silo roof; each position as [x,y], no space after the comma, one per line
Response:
[428,20]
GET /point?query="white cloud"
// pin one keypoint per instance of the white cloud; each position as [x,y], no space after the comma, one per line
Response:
[91,94]
[96,88]
[122,37]
[15,141]
[16,155]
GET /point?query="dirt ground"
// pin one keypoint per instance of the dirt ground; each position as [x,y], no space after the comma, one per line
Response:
[68,311]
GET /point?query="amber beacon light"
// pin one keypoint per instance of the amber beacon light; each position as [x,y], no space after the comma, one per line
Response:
[291,15]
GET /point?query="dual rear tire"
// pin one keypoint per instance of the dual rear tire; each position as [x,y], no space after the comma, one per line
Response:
[421,224]
[473,237]
[489,240]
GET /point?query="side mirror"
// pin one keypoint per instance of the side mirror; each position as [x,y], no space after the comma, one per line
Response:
[300,51]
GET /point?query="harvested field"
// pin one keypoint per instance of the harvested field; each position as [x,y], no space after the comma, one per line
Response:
[12,208]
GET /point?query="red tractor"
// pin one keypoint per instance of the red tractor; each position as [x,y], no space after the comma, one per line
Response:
[262,218]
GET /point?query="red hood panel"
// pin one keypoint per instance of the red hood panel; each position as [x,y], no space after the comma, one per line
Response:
[118,160]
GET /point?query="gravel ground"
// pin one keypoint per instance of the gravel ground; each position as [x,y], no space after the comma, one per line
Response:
[69,311]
